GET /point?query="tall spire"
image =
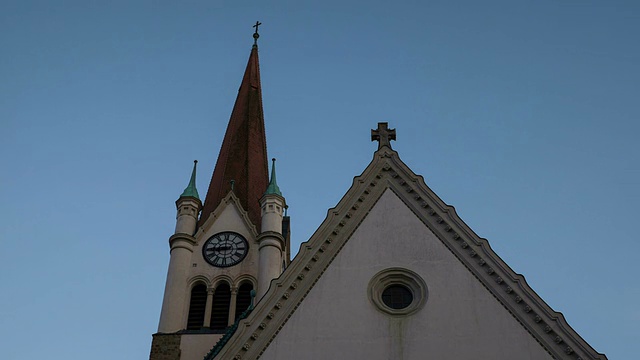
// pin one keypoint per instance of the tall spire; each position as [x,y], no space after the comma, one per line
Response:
[243,155]
[191,188]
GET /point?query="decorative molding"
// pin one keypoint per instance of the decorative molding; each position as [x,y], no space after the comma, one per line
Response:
[399,276]
[200,278]
[271,238]
[223,278]
[180,240]
[246,278]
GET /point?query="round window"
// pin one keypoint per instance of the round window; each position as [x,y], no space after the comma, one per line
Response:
[397,296]
[397,291]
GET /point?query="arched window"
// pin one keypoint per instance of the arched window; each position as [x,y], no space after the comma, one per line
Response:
[220,310]
[243,299]
[196,307]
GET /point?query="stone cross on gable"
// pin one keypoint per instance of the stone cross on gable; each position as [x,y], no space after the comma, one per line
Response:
[383,135]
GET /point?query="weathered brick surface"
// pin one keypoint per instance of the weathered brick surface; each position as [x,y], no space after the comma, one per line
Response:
[165,347]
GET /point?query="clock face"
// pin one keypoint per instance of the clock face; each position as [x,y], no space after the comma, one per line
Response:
[225,249]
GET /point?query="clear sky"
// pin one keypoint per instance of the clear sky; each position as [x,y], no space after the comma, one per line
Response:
[522,114]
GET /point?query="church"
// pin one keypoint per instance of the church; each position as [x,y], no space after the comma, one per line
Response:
[391,273]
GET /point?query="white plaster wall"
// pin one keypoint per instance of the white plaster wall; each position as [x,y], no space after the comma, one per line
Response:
[196,346]
[460,320]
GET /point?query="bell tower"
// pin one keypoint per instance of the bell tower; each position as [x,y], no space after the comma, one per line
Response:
[230,245]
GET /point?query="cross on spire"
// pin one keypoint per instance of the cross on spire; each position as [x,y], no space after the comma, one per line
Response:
[255,34]
[383,135]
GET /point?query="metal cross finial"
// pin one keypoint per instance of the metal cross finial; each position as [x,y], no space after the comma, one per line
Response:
[255,34]
[383,135]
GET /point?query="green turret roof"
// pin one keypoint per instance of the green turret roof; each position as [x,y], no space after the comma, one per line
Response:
[273,185]
[191,190]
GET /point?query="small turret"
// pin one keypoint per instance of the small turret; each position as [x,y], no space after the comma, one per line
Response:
[271,241]
[182,242]
[188,206]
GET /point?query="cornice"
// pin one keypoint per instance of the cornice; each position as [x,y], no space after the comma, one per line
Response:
[190,199]
[267,197]
[271,235]
[181,240]
[387,171]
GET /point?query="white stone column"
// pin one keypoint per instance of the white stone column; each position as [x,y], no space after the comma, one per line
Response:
[232,305]
[271,241]
[208,307]
[270,261]
[175,292]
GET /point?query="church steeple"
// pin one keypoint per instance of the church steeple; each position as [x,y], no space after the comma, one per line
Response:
[214,269]
[243,155]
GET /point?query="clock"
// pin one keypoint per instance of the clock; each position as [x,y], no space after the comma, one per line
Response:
[225,249]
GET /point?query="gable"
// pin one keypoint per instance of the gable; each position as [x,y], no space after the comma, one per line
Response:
[388,172]
[460,319]
[229,215]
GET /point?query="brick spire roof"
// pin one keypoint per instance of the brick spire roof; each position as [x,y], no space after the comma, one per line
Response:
[243,155]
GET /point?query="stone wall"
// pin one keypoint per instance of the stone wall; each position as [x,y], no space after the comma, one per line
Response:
[165,347]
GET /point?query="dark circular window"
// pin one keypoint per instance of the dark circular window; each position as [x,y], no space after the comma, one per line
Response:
[397,296]
[397,291]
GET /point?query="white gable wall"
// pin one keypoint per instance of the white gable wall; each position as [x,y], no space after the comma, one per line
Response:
[460,320]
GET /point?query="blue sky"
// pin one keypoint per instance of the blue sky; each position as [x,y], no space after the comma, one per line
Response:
[521,114]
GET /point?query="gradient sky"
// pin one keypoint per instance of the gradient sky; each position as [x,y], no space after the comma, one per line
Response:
[521,114]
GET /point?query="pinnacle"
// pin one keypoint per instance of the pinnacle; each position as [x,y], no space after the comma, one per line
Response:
[190,190]
[273,185]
